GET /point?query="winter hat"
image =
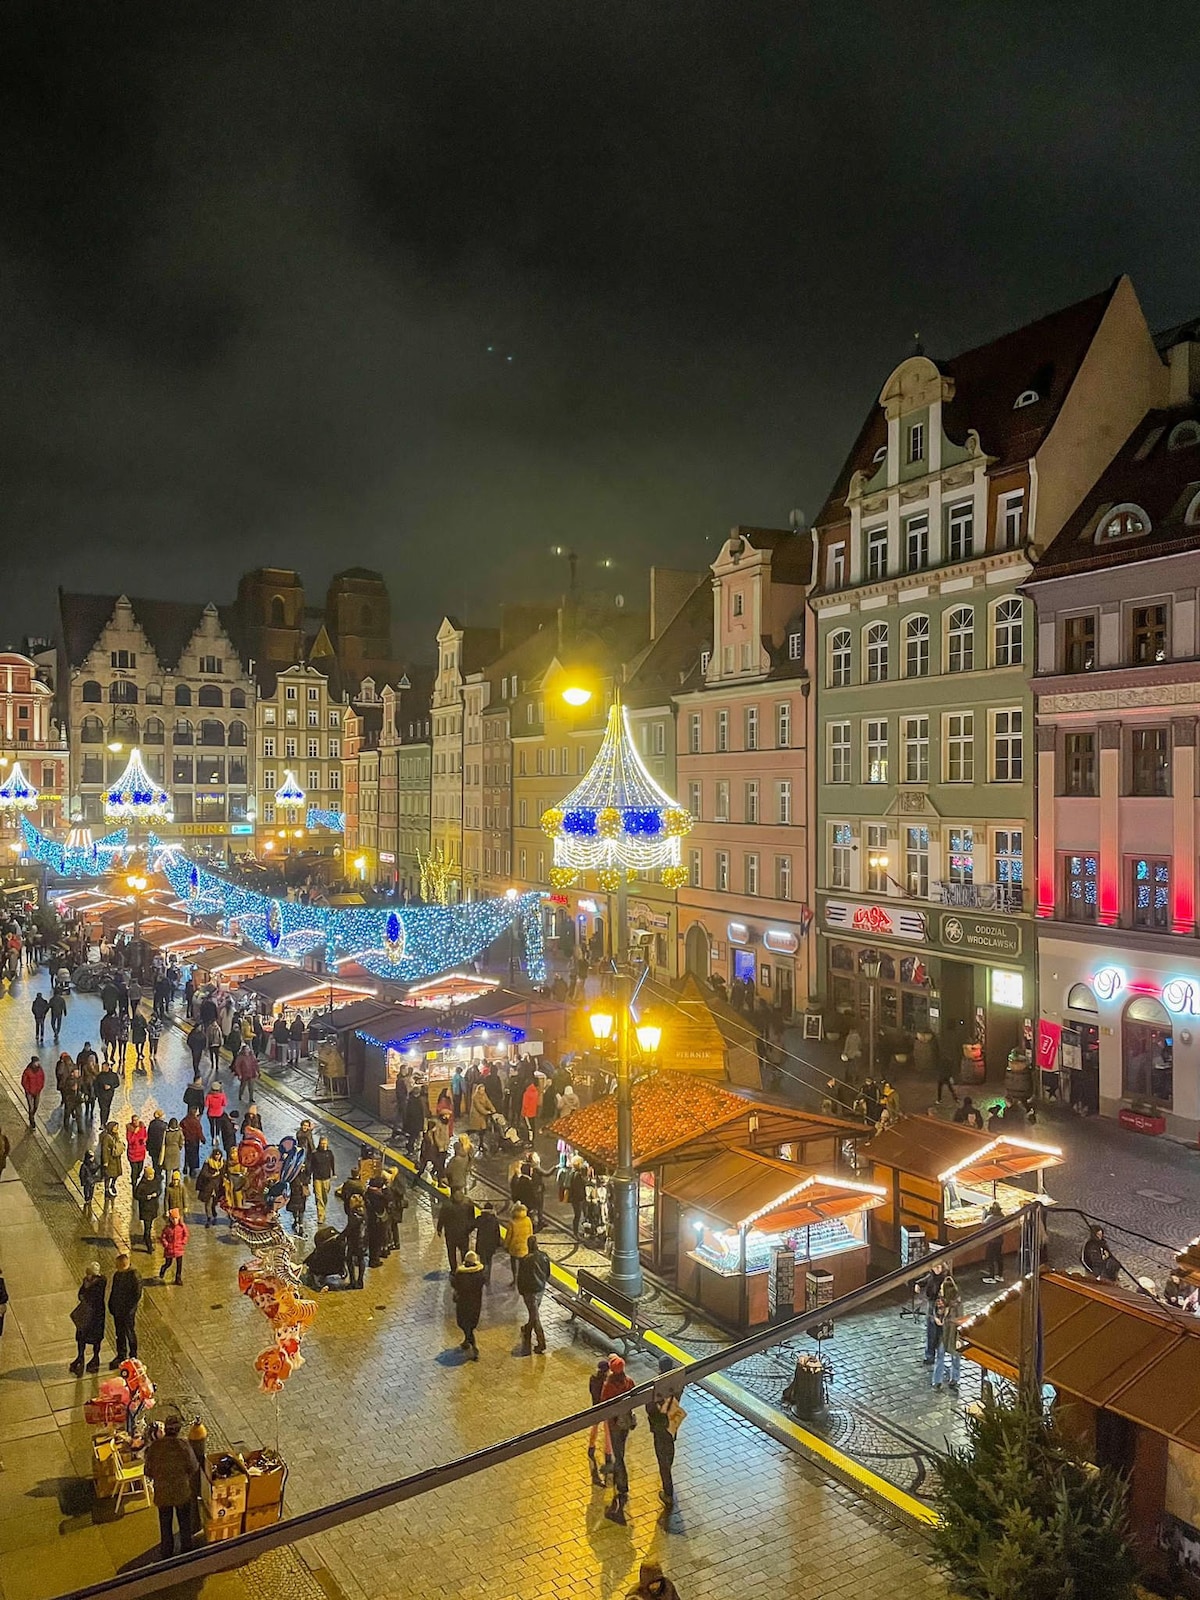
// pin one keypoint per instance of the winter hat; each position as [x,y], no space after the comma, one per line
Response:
[471,1259]
[616,1365]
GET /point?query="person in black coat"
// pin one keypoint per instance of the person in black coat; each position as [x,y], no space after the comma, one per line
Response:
[487,1238]
[397,1200]
[415,1113]
[354,1238]
[376,1200]
[123,1296]
[327,1258]
[468,1300]
[455,1223]
[88,1318]
[577,1192]
[146,1197]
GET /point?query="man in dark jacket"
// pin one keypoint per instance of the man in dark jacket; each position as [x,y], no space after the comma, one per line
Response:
[39,1008]
[487,1238]
[468,1300]
[107,1084]
[456,1219]
[322,1169]
[172,1468]
[123,1295]
[533,1274]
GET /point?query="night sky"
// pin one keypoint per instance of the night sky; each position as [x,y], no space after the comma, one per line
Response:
[433,287]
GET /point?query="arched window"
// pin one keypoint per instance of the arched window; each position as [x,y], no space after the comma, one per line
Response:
[1007,633]
[1081,998]
[960,639]
[154,694]
[278,613]
[183,731]
[183,695]
[123,693]
[916,647]
[237,699]
[209,694]
[1027,397]
[1123,522]
[91,730]
[1183,435]
[839,658]
[1147,1052]
[876,652]
[212,732]
[153,732]
[91,692]
[237,733]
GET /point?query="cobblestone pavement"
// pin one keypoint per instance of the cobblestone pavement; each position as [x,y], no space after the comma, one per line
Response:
[384,1393]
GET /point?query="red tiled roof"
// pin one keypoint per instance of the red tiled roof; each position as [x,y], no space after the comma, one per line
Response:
[669,1108]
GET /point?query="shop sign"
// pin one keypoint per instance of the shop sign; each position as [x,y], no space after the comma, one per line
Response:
[738,933]
[1142,1121]
[875,920]
[1180,995]
[643,915]
[386,855]
[558,900]
[1048,1039]
[781,941]
[984,936]
[201,830]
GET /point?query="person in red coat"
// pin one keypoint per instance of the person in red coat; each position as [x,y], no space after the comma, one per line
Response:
[33,1081]
[135,1148]
[531,1102]
[173,1238]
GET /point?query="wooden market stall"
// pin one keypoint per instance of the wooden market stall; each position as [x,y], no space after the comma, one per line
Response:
[290,990]
[736,1214]
[1127,1371]
[940,1179]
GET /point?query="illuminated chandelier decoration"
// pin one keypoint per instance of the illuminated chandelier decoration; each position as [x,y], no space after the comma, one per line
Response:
[290,797]
[135,796]
[617,821]
[16,792]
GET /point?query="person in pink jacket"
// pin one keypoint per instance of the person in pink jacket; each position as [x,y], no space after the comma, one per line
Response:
[173,1238]
[135,1148]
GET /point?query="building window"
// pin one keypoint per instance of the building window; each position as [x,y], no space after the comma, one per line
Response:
[877,858]
[783,877]
[960,531]
[694,869]
[268,716]
[1079,643]
[1008,763]
[916,442]
[314,778]
[837,566]
[314,719]
[783,801]
[1011,519]
[335,718]
[960,747]
[722,874]
[839,658]
[962,855]
[658,742]
[839,752]
[877,652]
[289,749]
[796,646]
[1079,761]
[90,692]
[314,693]
[1082,876]
[960,639]
[1007,648]
[705,658]
[752,801]
[693,800]
[1149,635]
[916,543]
[916,862]
[721,809]
[750,870]
[553,762]
[1151,763]
[840,851]
[783,725]
[1150,900]
[722,730]
[269,747]
[916,647]
[751,727]
[289,692]
[210,666]
[1010,863]
[739,604]
[875,754]
[915,747]
[123,660]
[694,734]
[335,749]
[877,543]
[1126,522]
[335,777]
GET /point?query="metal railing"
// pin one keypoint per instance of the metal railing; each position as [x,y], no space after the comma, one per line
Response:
[979,896]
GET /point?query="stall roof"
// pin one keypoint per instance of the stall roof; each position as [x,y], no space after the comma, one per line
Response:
[674,1108]
[358,1014]
[1120,1350]
[284,984]
[739,1187]
[936,1150]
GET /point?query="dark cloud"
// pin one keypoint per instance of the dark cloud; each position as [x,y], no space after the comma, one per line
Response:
[265,266]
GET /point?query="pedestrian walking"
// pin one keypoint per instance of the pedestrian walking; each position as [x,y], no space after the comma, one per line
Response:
[154,1030]
[488,1239]
[107,1084]
[175,1199]
[354,1236]
[214,1039]
[88,1319]
[618,1383]
[174,1238]
[135,1148]
[122,1039]
[112,1148]
[72,1095]
[298,1204]
[520,1231]
[468,1300]
[323,1169]
[33,1081]
[89,1178]
[245,1070]
[172,1147]
[652,1584]
[215,1102]
[174,1472]
[197,1045]
[533,1274]
[993,1263]
[191,1131]
[460,1165]
[124,1293]
[397,1201]
[481,1112]
[156,1135]
[40,1009]
[596,1382]
[110,1033]
[455,1223]
[58,1012]
[536,1204]
[531,1101]
[665,1414]
[577,1186]
[89,1067]
[210,1184]
[251,1120]
[146,1199]
[139,1033]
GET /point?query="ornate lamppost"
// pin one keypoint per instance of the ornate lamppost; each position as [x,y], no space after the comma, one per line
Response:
[17,796]
[290,801]
[136,799]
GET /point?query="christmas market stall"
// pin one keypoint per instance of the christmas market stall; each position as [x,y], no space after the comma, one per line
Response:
[941,1178]
[1126,1369]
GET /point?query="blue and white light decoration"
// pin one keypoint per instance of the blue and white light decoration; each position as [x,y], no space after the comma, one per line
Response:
[17,793]
[135,796]
[406,943]
[507,1030]
[289,797]
[75,859]
[617,821]
[322,817]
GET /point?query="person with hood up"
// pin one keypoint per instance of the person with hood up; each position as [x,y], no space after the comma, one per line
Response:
[174,1238]
[191,1131]
[89,1177]
[33,1081]
[617,1383]
[520,1231]
[40,1009]
[88,1319]
[468,1300]
[664,1414]
[652,1584]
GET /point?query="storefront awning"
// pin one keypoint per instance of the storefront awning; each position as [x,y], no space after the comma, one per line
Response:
[1115,1349]
[939,1151]
[739,1188]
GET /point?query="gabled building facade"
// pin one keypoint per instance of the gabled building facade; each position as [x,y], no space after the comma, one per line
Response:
[462,652]
[299,730]
[925,767]
[30,735]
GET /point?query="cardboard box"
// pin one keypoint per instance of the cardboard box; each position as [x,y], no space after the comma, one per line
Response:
[263,1488]
[218,1532]
[263,1517]
[223,1497]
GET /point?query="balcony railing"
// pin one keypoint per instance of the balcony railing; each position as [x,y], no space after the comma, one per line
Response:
[979,896]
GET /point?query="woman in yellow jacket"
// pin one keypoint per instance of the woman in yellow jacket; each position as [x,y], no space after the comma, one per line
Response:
[520,1231]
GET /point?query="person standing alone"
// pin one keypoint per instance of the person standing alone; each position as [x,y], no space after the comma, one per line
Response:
[664,1414]
[124,1293]
[468,1300]
[33,1081]
[172,1468]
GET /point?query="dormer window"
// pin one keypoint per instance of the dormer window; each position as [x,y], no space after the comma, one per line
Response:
[1027,397]
[1183,435]
[916,442]
[705,658]
[796,646]
[1123,522]
[837,566]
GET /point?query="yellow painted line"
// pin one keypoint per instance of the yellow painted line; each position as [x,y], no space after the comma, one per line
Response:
[731,1393]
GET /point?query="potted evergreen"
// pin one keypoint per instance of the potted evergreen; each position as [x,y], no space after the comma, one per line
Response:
[1024,1517]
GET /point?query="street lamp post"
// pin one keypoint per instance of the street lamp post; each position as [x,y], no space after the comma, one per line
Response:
[869,963]
[626,1272]
[137,885]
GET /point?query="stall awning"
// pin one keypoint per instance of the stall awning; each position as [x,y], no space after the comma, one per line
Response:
[238,966]
[358,1014]
[740,1187]
[936,1150]
[291,986]
[1112,1348]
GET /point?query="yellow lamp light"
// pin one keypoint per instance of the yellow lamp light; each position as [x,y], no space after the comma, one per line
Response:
[575,694]
[602,1024]
[649,1036]
[115,747]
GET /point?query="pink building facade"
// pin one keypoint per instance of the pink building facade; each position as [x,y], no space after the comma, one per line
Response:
[30,735]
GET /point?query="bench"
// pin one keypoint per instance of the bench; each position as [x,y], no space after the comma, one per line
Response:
[595,1301]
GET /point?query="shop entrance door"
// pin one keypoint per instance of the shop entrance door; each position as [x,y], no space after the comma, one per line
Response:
[695,952]
[743,967]
[1147,1052]
[783,993]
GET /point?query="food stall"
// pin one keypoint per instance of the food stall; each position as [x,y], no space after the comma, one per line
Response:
[942,1177]
[288,991]
[739,1210]
[428,1054]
